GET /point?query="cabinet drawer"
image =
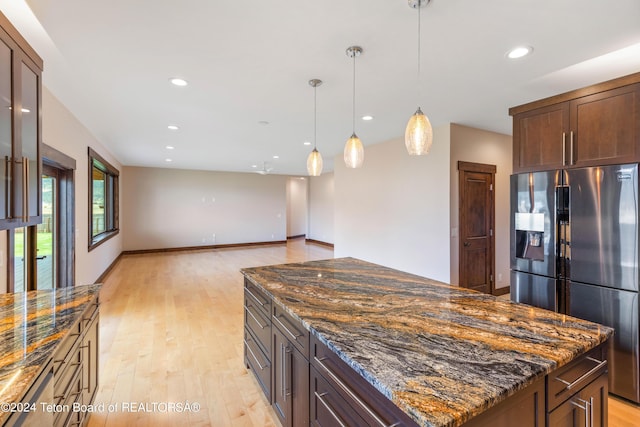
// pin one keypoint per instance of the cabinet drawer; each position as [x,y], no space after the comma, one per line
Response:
[66,347]
[258,362]
[90,313]
[328,408]
[569,379]
[292,329]
[355,392]
[258,297]
[67,397]
[258,323]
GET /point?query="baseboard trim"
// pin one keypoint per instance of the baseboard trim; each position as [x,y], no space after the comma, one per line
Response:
[203,248]
[297,236]
[501,291]
[319,242]
[105,273]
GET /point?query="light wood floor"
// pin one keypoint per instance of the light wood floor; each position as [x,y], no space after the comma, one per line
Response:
[171,331]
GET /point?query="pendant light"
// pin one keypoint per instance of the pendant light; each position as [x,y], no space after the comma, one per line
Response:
[353,149]
[418,136]
[314,161]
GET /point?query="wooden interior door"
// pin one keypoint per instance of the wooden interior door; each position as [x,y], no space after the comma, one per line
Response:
[476,225]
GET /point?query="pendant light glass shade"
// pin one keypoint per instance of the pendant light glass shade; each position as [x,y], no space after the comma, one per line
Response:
[314,163]
[353,149]
[353,152]
[418,136]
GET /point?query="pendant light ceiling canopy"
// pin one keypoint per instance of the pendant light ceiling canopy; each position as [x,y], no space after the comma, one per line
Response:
[418,136]
[314,161]
[353,149]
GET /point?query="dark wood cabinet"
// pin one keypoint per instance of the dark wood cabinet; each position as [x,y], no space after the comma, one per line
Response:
[20,130]
[593,126]
[257,336]
[539,138]
[588,407]
[606,127]
[290,379]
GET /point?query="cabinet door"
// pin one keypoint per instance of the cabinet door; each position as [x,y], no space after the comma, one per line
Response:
[27,173]
[587,407]
[290,370]
[6,129]
[539,138]
[606,127]
[90,360]
[281,395]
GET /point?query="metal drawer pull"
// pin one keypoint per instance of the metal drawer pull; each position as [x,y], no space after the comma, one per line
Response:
[587,407]
[253,355]
[287,330]
[254,297]
[599,365]
[348,390]
[254,317]
[329,408]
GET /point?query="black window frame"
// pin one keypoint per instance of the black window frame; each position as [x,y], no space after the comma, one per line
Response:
[111,200]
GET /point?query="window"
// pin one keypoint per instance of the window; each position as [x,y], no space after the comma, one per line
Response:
[103,200]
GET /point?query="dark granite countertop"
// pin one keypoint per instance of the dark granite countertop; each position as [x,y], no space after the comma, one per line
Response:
[441,353]
[31,326]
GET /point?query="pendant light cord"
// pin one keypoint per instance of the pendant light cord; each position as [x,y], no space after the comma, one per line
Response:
[418,77]
[315,116]
[354,93]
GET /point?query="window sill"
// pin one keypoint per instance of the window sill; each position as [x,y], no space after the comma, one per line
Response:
[101,238]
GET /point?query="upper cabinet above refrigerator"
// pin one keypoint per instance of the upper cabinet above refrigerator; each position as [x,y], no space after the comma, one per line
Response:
[20,130]
[595,126]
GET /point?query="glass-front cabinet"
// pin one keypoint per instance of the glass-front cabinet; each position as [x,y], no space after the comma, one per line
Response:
[20,130]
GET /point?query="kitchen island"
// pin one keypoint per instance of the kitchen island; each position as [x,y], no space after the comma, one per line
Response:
[48,355]
[376,346]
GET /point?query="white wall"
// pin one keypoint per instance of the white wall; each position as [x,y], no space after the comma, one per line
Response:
[321,208]
[297,206]
[480,146]
[395,210]
[62,131]
[173,208]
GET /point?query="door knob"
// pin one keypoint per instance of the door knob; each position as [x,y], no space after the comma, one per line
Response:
[466,244]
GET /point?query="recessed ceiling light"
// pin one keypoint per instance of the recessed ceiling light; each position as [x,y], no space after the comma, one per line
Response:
[307,143]
[367,118]
[169,147]
[168,160]
[178,81]
[519,52]
[276,157]
[173,127]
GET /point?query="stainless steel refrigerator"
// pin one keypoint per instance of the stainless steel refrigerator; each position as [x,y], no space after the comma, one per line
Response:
[574,250]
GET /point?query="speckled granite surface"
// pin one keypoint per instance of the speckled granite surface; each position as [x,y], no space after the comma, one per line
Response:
[31,326]
[441,353]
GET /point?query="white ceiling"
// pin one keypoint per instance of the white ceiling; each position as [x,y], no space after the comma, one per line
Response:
[249,61]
